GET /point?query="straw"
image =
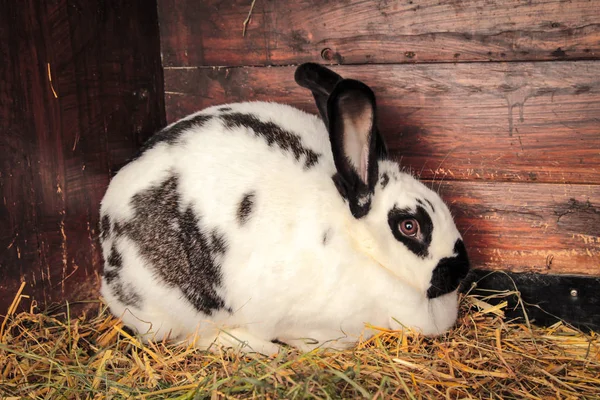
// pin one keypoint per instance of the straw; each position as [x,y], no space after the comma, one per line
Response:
[91,357]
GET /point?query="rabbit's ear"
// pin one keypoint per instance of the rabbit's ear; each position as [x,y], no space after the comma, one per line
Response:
[355,141]
[320,81]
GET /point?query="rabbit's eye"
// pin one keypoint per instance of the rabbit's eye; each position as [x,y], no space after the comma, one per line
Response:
[409,227]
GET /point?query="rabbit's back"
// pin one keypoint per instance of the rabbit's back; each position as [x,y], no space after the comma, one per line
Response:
[209,210]
[224,148]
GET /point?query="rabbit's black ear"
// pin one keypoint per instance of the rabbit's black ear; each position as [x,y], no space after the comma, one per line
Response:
[320,81]
[355,142]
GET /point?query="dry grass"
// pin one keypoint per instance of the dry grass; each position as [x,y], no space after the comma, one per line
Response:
[55,356]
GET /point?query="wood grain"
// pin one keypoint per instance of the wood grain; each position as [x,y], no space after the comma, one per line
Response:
[528,227]
[520,122]
[195,33]
[80,89]
[452,122]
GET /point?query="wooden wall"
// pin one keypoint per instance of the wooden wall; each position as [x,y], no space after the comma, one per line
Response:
[495,103]
[80,90]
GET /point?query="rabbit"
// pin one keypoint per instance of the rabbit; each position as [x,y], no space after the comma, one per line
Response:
[255,225]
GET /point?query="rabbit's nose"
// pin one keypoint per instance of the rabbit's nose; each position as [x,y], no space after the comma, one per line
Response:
[449,272]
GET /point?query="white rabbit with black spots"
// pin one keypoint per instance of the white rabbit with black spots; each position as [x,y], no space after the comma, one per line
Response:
[254,224]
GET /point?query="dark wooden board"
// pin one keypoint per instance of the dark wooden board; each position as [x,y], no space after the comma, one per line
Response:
[80,89]
[521,122]
[279,32]
[527,227]
[545,299]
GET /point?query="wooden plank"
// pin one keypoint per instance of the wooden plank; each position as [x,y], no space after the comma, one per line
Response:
[522,122]
[92,95]
[209,32]
[528,227]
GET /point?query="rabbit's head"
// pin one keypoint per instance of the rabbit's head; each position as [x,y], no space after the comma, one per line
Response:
[399,222]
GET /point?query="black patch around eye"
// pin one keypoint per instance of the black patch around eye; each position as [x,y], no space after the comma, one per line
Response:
[273,134]
[225,109]
[385,179]
[245,208]
[449,272]
[418,245]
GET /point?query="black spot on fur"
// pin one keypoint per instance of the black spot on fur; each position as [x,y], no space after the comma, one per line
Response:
[115,259]
[418,245]
[449,272]
[180,252]
[245,208]
[117,228]
[110,275]
[428,202]
[225,109]
[113,265]
[326,235]
[273,135]
[431,205]
[126,294]
[219,246]
[385,179]
[104,227]
[171,134]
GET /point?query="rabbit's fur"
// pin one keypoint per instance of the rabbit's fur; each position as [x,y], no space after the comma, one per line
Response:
[252,224]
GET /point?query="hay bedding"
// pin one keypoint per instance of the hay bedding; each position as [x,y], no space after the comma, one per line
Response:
[54,357]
